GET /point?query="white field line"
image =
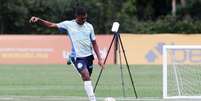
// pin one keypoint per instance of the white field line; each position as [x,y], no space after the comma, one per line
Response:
[75,98]
[68,98]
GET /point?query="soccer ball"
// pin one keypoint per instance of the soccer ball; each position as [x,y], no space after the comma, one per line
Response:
[109,99]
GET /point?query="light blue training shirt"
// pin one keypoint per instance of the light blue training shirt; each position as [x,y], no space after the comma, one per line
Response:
[81,37]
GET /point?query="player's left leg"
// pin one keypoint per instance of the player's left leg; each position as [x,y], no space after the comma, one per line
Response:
[90,64]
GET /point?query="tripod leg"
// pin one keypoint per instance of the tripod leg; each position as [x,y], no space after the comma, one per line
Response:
[121,68]
[121,44]
[104,63]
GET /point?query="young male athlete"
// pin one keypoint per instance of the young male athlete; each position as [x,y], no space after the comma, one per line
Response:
[83,42]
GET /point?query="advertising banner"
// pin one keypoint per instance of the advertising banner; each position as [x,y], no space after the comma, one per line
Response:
[147,49]
[54,49]
[43,49]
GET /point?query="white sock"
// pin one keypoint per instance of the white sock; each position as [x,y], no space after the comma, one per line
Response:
[89,90]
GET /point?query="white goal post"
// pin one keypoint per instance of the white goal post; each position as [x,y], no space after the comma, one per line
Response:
[182,71]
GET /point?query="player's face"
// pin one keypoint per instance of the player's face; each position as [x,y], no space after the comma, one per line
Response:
[81,19]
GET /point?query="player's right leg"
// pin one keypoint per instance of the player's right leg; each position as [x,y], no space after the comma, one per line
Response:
[81,66]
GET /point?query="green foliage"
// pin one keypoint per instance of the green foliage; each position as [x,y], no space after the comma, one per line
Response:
[194,8]
[135,16]
[101,13]
[13,14]
[167,25]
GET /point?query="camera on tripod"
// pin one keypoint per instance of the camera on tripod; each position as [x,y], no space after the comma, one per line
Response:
[115,27]
[118,44]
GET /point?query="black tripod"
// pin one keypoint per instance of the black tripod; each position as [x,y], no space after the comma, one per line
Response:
[119,44]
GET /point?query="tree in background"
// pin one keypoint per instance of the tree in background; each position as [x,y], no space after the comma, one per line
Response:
[13,15]
[152,9]
[102,14]
[53,10]
[135,16]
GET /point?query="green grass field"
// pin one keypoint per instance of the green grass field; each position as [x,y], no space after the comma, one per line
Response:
[62,82]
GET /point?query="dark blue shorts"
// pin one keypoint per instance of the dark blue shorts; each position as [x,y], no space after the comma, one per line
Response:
[83,62]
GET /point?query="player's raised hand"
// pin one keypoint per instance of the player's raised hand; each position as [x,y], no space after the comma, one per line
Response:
[34,19]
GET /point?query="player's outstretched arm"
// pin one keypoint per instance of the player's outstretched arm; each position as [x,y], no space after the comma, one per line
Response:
[43,22]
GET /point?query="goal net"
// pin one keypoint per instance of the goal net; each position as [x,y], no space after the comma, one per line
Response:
[182,71]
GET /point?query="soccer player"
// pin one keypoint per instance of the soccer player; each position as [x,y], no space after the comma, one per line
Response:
[83,42]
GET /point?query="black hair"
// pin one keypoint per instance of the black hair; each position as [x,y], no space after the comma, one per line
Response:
[80,11]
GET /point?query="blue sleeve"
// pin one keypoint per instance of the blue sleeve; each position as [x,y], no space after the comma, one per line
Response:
[62,30]
[92,35]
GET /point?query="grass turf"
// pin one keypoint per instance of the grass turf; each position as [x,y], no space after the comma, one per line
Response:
[63,80]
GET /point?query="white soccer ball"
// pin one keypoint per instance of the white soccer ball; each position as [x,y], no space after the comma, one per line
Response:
[109,99]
